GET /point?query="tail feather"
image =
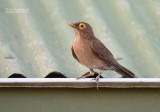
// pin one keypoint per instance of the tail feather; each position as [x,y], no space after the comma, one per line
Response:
[125,72]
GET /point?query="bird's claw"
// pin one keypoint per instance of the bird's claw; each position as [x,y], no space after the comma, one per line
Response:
[97,80]
[80,77]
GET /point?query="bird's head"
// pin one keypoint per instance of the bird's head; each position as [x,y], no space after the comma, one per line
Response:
[83,29]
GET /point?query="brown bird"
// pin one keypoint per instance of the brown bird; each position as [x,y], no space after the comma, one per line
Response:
[92,53]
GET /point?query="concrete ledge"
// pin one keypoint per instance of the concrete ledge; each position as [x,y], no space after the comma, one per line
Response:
[81,83]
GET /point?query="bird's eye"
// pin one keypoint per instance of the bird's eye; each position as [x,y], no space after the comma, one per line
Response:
[82,26]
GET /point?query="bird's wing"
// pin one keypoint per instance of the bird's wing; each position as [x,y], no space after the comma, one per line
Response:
[73,53]
[99,48]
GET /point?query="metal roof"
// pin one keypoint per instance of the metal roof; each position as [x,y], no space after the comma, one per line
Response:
[35,39]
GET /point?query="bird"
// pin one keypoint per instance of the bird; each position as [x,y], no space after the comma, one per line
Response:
[92,53]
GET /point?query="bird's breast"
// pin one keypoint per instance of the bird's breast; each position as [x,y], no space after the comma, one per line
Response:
[85,55]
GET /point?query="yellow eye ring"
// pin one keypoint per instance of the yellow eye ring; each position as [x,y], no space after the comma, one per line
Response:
[82,26]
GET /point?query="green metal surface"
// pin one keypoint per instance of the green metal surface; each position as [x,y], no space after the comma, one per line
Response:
[37,42]
[79,100]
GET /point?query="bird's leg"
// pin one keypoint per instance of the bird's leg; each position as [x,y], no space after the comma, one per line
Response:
[97,78]
[88,75]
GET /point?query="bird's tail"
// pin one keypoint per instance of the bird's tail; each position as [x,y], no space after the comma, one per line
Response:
[125,72]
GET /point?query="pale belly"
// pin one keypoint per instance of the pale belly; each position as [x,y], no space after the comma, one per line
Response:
[87,57]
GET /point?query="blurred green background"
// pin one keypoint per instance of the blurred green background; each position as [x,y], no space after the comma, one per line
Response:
[35,39]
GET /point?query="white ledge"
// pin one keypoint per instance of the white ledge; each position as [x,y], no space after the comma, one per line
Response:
[81,83]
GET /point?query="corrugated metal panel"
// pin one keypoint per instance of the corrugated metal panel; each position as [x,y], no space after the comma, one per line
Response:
[38,41]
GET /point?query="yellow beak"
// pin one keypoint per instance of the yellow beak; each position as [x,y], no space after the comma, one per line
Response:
[72,25]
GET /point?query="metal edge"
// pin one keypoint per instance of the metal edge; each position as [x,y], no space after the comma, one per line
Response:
[81,83]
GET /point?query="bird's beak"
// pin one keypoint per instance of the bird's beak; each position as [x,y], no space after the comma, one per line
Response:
[72,25]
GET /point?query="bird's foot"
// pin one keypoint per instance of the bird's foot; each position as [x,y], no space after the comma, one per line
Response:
[97,80]
[80,77]
[84,76]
